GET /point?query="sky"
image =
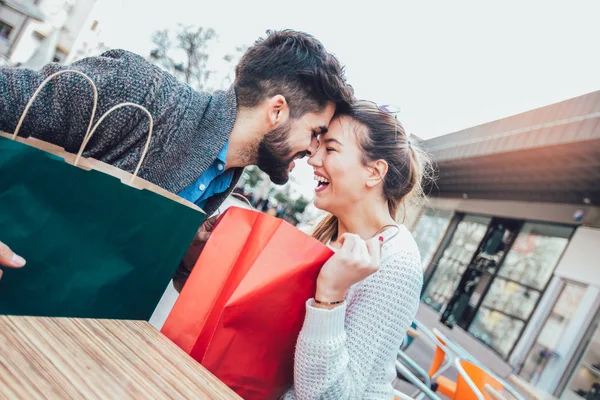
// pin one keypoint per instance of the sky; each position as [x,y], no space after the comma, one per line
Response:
[447,65]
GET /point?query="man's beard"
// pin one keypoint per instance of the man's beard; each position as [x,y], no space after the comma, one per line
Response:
[273,154]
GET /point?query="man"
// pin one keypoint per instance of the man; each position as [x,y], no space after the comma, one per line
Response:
[286,90]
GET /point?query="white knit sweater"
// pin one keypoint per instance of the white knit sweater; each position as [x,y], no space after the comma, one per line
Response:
[349,353]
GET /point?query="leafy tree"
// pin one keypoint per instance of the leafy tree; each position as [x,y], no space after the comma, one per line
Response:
[193,43]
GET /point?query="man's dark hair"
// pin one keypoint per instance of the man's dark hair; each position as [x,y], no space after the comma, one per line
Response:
[296,66]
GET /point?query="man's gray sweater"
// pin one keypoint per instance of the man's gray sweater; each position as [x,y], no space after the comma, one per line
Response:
[190,128]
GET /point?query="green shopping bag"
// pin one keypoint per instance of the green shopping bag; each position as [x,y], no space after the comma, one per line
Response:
[96,246]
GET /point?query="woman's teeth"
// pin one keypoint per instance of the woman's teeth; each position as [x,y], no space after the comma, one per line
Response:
[321,179]
[322,182]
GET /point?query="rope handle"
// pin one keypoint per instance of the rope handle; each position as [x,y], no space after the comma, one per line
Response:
[243,198]
[43,84]
[144,152]
[90,130]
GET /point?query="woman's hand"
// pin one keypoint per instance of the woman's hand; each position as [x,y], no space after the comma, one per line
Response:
[356,260]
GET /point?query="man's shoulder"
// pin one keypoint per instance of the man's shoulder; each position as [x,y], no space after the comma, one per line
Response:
[122,60]
[123,54]
[130,76]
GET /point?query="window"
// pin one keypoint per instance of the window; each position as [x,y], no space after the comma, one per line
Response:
[5,30]
[429,232]
[535,253]
[454,261]
[480,272]
[515,290]
[59,55]
[492,274]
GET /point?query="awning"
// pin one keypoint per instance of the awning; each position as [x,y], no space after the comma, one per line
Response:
[25,7]
[551,154]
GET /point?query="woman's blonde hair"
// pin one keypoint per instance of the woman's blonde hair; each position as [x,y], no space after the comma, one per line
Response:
[382,137]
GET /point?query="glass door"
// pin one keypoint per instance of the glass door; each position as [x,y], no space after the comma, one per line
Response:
[480,272]
[454,260]
[585,381]
[518,285]
[552,332]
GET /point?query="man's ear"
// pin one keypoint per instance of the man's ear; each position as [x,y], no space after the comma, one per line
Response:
[278,110]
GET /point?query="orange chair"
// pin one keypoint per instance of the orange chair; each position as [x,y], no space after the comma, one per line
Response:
[440,355]
[471,382]
[424,388]
[442,360]
[445,385]
[472,375]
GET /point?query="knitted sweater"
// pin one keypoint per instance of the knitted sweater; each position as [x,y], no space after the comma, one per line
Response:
[349,353]
[190,128]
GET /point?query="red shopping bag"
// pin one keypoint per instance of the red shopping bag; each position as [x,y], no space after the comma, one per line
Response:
[243,305]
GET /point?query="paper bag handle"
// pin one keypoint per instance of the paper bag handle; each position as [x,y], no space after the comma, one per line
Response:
[89,136]
[243,198]
[39,89]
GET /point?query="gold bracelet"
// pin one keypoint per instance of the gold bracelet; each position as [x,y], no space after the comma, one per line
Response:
[329,303]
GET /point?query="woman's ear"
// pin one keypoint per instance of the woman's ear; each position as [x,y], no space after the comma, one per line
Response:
[377,172]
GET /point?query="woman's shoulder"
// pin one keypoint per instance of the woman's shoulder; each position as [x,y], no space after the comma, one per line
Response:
[400,264]
[401,248]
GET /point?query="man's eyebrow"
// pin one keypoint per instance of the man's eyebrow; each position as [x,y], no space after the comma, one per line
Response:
[323,130]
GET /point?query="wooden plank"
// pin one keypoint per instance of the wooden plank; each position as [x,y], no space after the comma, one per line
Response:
[494,394]
[97,359]
[529,389]
[413,333]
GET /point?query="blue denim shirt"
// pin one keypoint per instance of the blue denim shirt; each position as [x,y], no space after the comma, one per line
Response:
[213,181]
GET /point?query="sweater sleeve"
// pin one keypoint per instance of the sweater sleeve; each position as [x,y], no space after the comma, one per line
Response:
[61,112]
[342,352]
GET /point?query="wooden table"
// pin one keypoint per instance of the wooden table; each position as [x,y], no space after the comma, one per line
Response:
[97,359]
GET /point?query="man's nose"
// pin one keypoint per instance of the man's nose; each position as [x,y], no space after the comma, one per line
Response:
[316,160]
[314,146]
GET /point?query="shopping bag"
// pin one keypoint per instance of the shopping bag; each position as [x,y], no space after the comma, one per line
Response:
[99,242]
[242,308]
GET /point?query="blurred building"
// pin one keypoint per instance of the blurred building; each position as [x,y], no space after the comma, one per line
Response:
[34,33]
[14,14]
[511,244]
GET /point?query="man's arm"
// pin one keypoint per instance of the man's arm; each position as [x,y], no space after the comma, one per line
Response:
[193,253]
[62,111]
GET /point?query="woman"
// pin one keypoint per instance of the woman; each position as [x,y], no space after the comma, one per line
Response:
[368,292]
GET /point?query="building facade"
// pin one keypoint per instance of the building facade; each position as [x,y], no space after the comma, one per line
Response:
[63,30]
[511,244]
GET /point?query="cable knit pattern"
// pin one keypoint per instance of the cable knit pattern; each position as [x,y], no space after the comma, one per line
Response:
[190,127]
[348,353]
